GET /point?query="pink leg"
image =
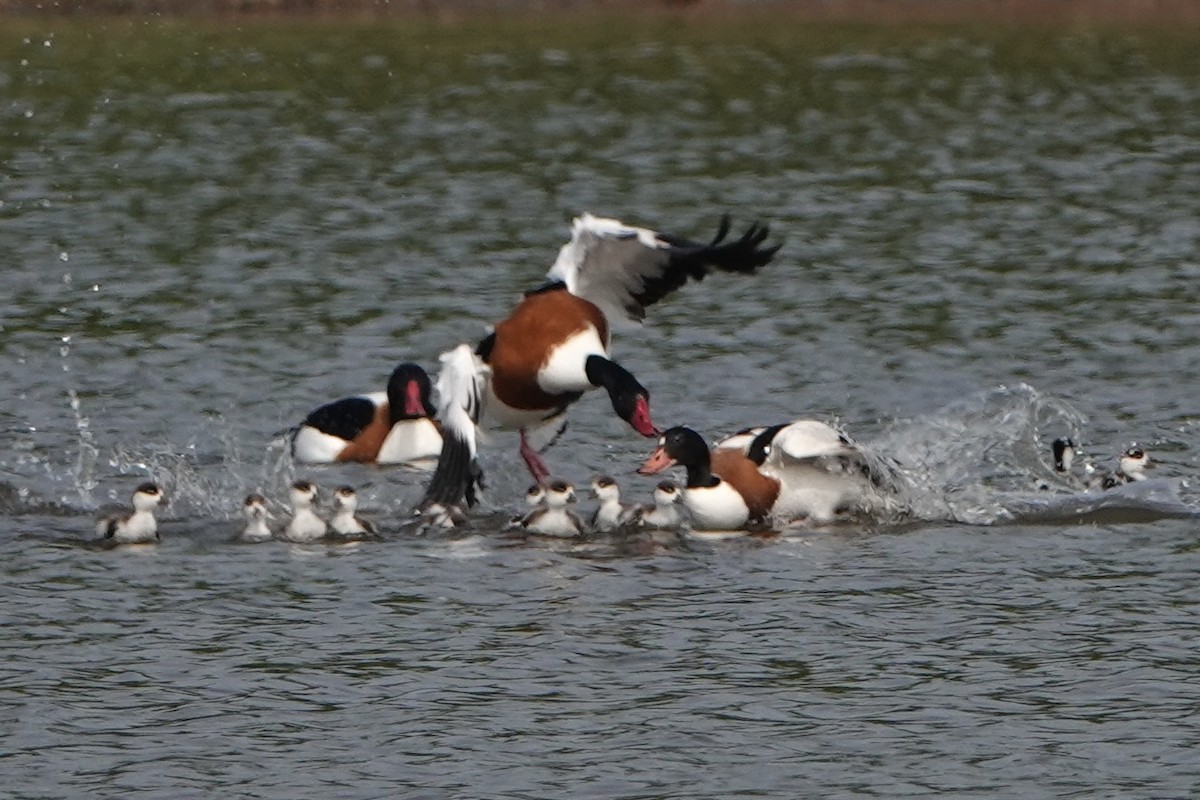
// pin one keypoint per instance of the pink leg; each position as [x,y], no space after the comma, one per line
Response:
[537,467]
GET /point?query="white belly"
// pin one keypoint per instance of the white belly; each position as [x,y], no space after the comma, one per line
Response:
[305,527]
[815,494]
[140,528]
[716,508]
[553,522]
[565,369]
[665,517]
[410,440]
[313,447]
[256,531]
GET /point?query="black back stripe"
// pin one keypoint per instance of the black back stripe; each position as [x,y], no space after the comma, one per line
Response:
[343,418]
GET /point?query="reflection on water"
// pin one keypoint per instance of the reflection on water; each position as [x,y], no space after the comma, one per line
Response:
[206,233]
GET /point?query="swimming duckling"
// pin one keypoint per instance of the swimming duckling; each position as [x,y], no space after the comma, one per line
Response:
[256,513]
[305,525]
[612,513]
[554,518]
[1064,454]
[535,495]
[665,512]
[1131,467]
[137,526]
[344,522]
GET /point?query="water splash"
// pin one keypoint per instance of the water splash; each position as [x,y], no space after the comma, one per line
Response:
[985,460]
[84,472]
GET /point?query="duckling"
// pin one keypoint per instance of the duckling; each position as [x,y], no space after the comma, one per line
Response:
[612,513]
[437,516]
[1131,468]
[665,512]
[1063,449]
[255,510]
[344,522]
[305,525]
[554,518]
[535,495]
[137,526]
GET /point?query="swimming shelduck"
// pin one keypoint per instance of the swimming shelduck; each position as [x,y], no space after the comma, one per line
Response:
[344,522]
[665,512]
[554,518]
[305,525]
[821,472]
[611,513]
[137,526]
[803,469]
[724,489]
[392,427]
[554,345]
[256,513]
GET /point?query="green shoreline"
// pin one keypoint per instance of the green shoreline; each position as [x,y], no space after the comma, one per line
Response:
[1104,13]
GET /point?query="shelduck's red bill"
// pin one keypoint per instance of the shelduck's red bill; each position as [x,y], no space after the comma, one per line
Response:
[640,418]
[413,405]
[657,462]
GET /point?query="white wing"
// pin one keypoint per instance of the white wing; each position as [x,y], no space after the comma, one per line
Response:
[808,439]
[740,440]
[461,385]
[622,269]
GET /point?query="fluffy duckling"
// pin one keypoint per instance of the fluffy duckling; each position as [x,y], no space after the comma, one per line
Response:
[611,513]
[665,512]
[255,510]
[1131,468]
[554,518]
[137,526]
[535,495]
[344,522]
[1063,450]
[305,525]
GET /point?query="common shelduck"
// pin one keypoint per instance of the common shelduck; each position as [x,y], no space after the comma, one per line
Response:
[392,427]
[664,513]
[804,469]
[611,513]
[344,522]
[724,489]
[819,469]
[137,526]
[554,345]
[554,518]
[305,525]
[254,509]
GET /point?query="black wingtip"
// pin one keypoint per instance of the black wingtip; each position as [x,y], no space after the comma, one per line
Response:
[746,254]
[722,230]
[457,477]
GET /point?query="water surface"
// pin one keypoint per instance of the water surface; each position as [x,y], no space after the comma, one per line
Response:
[990,240]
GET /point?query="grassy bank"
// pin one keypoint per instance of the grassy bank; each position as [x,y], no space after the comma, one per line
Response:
[1012,12]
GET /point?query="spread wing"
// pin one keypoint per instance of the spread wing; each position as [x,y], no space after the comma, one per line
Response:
[460,384]
[808,442]
[623,269]
[805,440]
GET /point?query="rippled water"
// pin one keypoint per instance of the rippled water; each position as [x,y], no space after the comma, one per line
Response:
[990,240]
